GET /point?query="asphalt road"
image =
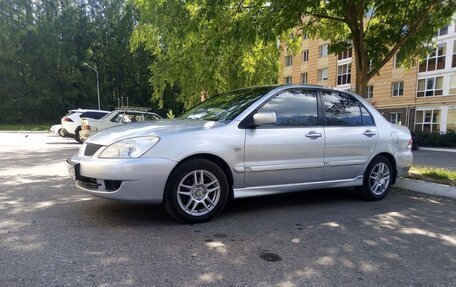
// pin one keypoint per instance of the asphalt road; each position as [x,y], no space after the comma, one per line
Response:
[435,159]
[53,235]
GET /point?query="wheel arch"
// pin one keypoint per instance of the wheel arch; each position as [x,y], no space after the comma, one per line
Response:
[213,158]
[392,160]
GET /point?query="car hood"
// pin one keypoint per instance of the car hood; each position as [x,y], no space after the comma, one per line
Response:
[155,128]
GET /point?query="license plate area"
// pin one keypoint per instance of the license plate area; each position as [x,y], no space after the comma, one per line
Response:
[73,169]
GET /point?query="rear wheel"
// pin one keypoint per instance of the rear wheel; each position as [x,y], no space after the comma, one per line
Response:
[76,135]
[61,133]
[377,179]
[197,191]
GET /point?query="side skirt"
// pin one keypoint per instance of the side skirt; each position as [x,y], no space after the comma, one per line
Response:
[294,187]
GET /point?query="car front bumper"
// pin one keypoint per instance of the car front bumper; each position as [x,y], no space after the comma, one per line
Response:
[135,180]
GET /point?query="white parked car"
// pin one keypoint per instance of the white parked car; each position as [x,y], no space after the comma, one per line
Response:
[56,130]
[71,122]
[117,117]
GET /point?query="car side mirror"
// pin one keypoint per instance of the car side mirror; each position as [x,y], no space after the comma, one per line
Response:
[260,119]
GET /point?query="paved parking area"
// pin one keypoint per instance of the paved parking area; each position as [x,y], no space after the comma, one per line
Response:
[53,235]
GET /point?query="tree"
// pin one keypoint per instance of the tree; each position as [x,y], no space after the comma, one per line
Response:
[194,49]
[190,37]
[43,45]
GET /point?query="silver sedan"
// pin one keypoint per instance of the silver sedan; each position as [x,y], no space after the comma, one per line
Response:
[247,142]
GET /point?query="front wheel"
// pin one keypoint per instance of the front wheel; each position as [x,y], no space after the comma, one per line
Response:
[197,190]
[377,179]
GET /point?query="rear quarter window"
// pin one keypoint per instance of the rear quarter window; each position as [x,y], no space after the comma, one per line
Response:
[93,115]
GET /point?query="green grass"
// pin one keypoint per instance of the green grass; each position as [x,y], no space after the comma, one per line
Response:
[438,175]
[25,127]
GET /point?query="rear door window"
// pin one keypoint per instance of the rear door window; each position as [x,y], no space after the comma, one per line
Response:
[341,109]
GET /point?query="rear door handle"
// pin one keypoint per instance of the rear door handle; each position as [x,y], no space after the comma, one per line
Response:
[313,135]
[369,133]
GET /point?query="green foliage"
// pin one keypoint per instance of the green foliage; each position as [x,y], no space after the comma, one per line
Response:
[433,174]
[437,140]
[170,114]
[25,127]
[196,46]
[43,45]
[223,44]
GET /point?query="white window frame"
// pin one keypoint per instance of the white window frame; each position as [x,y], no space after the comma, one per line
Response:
[305,56]
[434,56]
[347,54]
[395,61]
[424,122]
[344,70]
[288,60]
[304,77]
[395,118]
[399,88]
[320,76]
[429,92]
[323,50]
[288,80]
[439,33]
[369,91]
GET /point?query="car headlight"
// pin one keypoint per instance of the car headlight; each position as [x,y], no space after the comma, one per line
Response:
[129,148]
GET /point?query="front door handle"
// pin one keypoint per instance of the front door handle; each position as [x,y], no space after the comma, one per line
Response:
[313,135]
[369,133]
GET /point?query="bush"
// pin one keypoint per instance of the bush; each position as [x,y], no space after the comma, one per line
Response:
[437,140]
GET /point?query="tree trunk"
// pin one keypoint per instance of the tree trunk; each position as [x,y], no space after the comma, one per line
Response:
[355,18]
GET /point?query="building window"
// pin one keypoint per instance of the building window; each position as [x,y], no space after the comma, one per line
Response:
[453,65]
[345,54]
[451,121]
[430,87]
[305,55]
[427,121]
[288,60]
[369,91]
[442,31]
[397,89]
[305,36]
[397,61]
[395,118]
[304,78]
[343,74]
[288,80]
[322,74]
[435,60]
[452,90]
[323,50]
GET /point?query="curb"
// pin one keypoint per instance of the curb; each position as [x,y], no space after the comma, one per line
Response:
[430,188]
[438,149]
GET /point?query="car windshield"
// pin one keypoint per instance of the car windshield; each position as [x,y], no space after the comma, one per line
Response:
[225,107]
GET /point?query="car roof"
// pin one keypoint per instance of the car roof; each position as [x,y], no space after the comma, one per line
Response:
[84,110]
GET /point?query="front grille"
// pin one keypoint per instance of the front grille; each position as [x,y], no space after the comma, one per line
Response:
[91,149]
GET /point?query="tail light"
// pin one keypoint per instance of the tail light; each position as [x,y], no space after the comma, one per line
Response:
[410,143]
[67,120]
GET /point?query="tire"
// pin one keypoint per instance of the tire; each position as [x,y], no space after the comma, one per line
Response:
[61,133]
[377,179]
[76,135]
[189,199]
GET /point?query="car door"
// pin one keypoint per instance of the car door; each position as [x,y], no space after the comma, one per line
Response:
[291,150]
[351,135]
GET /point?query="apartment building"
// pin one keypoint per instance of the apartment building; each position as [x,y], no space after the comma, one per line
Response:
[422,97]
